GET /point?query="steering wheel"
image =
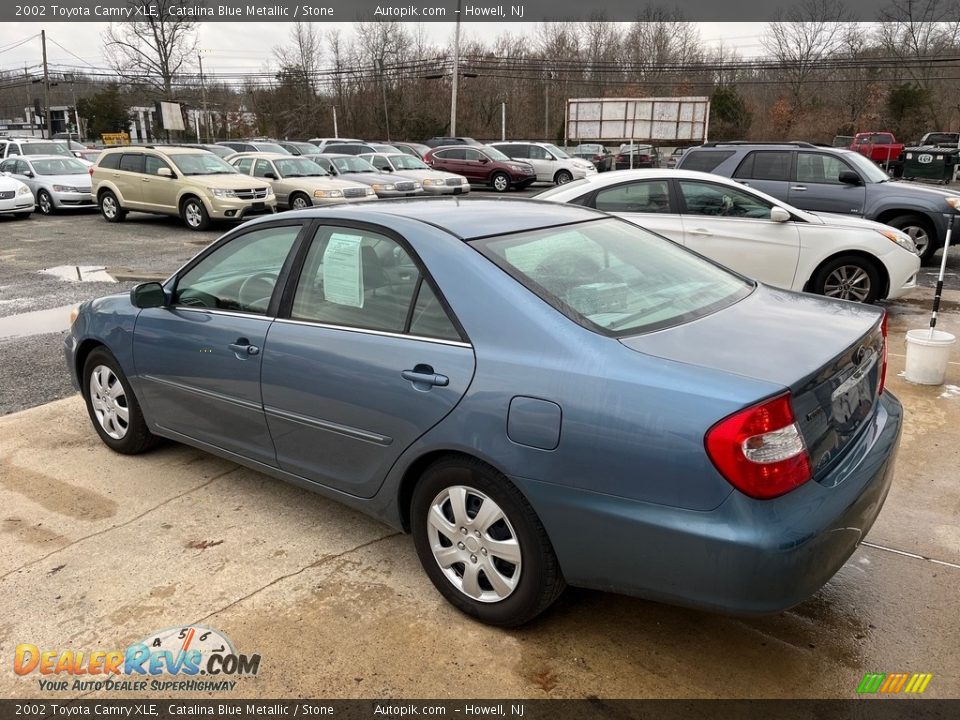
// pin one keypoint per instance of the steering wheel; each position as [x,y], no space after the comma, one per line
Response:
[256,290]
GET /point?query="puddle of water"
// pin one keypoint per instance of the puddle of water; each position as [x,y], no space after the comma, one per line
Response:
[38,322]
[80,273]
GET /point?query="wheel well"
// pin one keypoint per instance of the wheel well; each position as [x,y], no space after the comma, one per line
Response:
[412,475]
[561,170]
[887,215]
[867,257]
[189,196]
[103,190]
[83,352]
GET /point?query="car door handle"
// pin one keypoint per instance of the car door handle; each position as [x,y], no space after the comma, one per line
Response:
[799,188]
[702,232]
[243,347]
[424,375]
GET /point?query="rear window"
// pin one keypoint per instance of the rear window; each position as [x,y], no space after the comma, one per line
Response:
[613,277]
[704,160]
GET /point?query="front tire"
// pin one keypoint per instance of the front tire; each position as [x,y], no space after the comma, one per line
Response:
[482,545]
[45,203]
[112,406]
[921,232]
[194,214]
[500,182]
[110,207]
[563,177]
[299,201]
[848,277]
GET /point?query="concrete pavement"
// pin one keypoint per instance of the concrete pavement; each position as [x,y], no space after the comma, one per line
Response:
[100,550]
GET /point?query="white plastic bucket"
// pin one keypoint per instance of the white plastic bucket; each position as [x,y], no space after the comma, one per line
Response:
[927,356]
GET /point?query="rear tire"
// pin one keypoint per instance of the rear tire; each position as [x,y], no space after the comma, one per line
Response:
[194,214]
[500,182]
[112,406]
[848,277]
[481,544]
[110,207]
[922,233]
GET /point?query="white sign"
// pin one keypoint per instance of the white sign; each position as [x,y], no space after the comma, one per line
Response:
[343,270]
[650,119]
[925,159]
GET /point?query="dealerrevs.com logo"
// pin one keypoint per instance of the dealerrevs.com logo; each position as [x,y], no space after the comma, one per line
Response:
[192,658]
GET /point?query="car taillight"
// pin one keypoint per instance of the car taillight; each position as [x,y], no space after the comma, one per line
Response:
[644,158]
[90,170]
[760,450]
[883,364]
[621,158]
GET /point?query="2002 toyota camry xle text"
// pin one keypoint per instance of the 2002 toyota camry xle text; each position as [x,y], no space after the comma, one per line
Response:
[541,394]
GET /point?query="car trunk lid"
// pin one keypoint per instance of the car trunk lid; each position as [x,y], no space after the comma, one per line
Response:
[829,354]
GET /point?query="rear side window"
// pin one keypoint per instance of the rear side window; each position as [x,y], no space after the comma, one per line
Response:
[765,165]
[131,162]
[650,196]
[451,154]
[110,161]
[704,160]
[514,151]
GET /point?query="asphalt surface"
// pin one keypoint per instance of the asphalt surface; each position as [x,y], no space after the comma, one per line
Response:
[142,247]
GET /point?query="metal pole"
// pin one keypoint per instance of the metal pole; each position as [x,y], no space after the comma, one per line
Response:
[46,83]
[943,269]
[456,74]
[546,108]
[203,91]
[503,122]
[335,122]
[383,87]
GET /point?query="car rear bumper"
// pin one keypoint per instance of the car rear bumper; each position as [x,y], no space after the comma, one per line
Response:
[745,556]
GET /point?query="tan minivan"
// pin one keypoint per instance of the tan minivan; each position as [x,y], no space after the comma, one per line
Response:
[192,184]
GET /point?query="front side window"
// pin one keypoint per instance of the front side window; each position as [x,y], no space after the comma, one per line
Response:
[473,155]
[651,196]
[152,164]
[702,198]
[820,168]
[613,277]
[537,153]
[361,279]
[202,163]
[261,169]
[240,275]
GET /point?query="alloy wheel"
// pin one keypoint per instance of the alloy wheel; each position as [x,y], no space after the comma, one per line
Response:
[919,236]
[192,214]
[46,205]
[109,400]
[848,282]
[109,206]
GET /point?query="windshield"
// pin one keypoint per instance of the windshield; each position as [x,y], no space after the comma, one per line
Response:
[299,167]
[305,148]
[271,148]
[220,150]
[407,162]
[557,152]
[353,164]
[495,154]
[202,163]
[41,148]
[614,277]
[66,166]
[867,169]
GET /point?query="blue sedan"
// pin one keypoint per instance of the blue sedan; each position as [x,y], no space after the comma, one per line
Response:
[541,394]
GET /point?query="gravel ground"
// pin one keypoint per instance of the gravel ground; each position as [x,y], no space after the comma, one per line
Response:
[142,247]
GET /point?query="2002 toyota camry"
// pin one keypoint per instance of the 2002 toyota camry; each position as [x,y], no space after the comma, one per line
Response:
[541,394]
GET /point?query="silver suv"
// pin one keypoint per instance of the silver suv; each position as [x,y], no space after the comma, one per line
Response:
[831,180]
[551,164]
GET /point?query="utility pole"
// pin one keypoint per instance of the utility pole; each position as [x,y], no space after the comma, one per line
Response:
[456,74]
[46,83]
[383,86]
[335,133]
[503,122]
[203,92]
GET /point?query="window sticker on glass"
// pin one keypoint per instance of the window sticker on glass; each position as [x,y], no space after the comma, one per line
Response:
[342,270]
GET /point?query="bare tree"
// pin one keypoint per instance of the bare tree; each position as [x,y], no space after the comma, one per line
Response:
[801,39]
[151,51]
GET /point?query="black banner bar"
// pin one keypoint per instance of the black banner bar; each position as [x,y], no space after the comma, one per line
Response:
[413,10]
[886,708]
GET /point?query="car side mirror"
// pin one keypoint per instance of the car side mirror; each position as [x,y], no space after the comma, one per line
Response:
[387,169]
[848,177]
[778,214]
[270,175]
[29,173]
[165,172]
[148,295]
[484,159]
[7,173]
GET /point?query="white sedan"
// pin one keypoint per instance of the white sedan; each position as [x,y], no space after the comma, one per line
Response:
[755,234]
[56,181]
[15,197]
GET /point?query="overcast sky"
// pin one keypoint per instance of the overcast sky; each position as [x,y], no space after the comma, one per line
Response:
[238,47]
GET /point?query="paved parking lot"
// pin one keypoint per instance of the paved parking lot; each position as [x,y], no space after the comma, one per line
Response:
[99,549]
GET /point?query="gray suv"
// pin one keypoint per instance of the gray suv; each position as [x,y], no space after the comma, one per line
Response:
[831,180]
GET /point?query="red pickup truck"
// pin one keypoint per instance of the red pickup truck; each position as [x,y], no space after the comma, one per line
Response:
[881,147]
